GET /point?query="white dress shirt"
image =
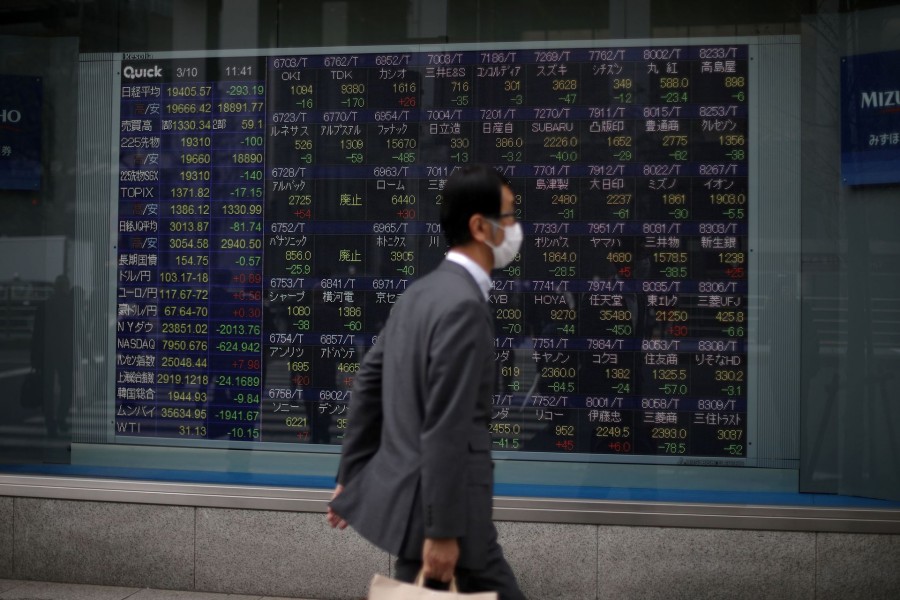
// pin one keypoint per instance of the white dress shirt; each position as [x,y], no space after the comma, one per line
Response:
[481,278]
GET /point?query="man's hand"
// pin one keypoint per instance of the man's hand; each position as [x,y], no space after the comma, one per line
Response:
[332,517]
[439,556]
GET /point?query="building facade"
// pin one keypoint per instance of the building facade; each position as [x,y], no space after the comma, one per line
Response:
[210,207]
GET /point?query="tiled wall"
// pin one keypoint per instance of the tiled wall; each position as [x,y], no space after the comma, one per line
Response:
[103,542]
[6,537]
[297,554]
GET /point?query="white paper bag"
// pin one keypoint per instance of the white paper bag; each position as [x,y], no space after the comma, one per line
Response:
[385,588]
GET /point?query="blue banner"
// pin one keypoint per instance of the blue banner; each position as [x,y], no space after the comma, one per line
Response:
[870,118]
[20,132]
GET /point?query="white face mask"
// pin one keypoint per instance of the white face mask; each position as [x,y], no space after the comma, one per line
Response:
[512,241]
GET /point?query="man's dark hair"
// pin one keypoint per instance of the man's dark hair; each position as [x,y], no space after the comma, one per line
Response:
[470,190]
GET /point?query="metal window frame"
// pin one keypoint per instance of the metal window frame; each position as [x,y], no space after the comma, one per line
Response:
[536,510]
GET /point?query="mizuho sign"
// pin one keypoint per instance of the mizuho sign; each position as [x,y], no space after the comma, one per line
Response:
[10,115]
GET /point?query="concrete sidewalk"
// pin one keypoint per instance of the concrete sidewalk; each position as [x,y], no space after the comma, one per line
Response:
[12,589]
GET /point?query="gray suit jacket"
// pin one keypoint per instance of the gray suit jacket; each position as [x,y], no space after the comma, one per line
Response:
[416,459]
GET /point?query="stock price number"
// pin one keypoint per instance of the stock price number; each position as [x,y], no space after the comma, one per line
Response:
[618,374]
[564,430]
[246,90]
[734,438]
[671,316]
[240,107]
[670,374]
[567,316]
[246,398]
[192,431]
[243,433]
[511,373]
[731,316]
[181,379]
[673,447]
[564,437]
[619,320]
[188,210]
[729,375]
[669,439]
[507,432]
[556,378]
[296,422]
[613,438]
[613,431]
[183,396]
[245,381]
[559,387]
[182,413]
[731,258]
[237,415]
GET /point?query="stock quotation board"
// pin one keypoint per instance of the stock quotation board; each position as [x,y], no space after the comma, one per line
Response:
[271,210]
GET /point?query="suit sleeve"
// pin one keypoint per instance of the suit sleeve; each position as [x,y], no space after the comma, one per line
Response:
[364,427]
[456,358]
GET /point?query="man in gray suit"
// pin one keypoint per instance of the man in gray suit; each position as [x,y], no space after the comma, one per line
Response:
[416,474]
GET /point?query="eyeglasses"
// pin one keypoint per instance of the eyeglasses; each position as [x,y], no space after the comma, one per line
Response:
[505,215]
[499,217]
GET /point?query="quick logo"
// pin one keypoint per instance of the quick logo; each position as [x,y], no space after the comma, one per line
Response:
[130,72]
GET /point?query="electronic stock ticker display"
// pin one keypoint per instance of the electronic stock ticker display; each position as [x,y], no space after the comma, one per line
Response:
[271,209]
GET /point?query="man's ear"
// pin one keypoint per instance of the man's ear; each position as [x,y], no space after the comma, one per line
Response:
[479,228]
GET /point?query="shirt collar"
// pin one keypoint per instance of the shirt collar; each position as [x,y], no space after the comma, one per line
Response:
[481,278]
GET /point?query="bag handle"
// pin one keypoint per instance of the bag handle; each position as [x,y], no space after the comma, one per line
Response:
[420,581]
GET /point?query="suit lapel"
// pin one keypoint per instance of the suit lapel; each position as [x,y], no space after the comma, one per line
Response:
[459,270]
